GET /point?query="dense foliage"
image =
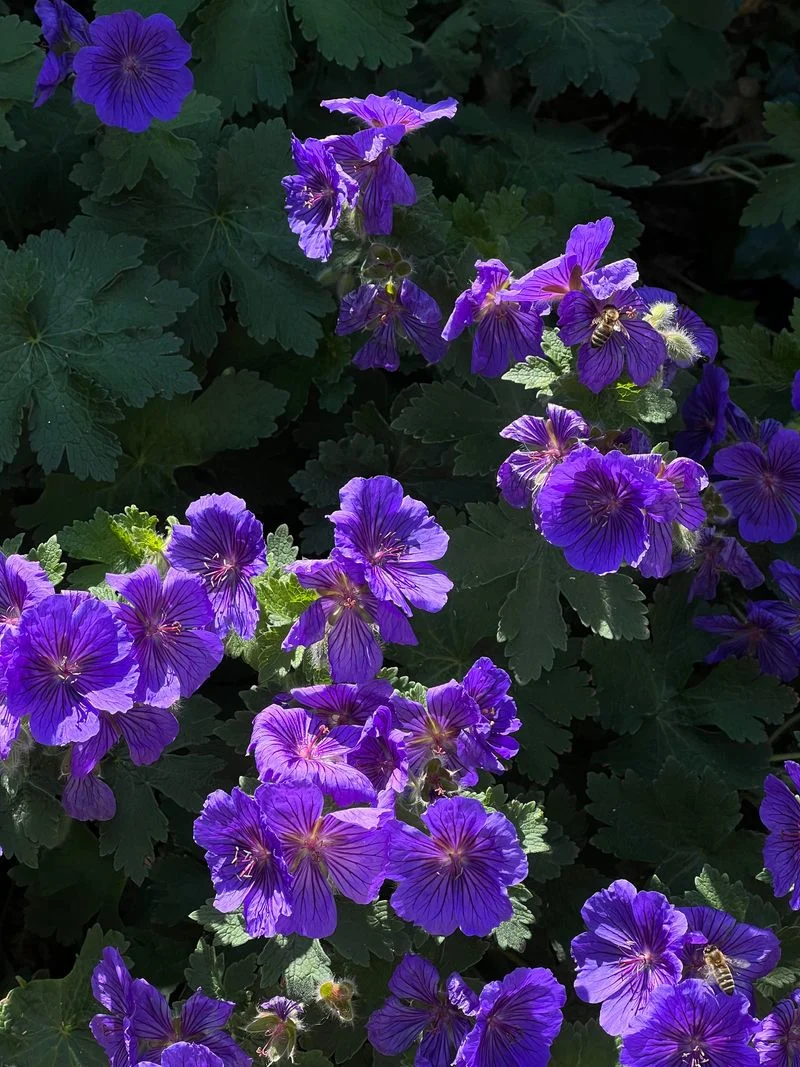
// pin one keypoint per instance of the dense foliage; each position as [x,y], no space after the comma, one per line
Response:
[479,735]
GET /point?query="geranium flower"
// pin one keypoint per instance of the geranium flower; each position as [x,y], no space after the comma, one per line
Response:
[391,311]
[780,813]
[761,486]
[316,196]
[550,282]
[548,442]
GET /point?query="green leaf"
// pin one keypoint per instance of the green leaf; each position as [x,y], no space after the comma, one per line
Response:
[365,930]
[139,823]
[584,1045]
[755,355]
[678,821]
[81,329]
[30,816]
[303,964]
[515,932]
[281,549]
[778,196]
[121,543]
[205,969]
[713,889]
[168,146]
[595,44]
[349,32]
[686,58]
[48,556]
[12,545]
[178,9]
[228,929]
[46,1022]
[357,455]
[20,59]
[245,53]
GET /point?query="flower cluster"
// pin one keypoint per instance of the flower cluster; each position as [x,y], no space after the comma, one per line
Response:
[676,983]
[131,69]
[87,672]
[138,1026]
[514,1021]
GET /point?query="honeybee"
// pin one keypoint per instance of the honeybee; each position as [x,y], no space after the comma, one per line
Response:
[719,968]
[605,324]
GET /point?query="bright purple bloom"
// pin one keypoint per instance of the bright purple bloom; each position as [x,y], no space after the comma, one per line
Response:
[9,724]
[716,555]
[344,850]
[691,1025]
[168,620]
[73,661]
[245,859]
[224,545]
[683,322]
[64,30]
[382,756]
[199,1025]
[548,442]
[682,481]
[796,392]
[458,877]
[316,196]
[394,538]
[777,1039]
[289,745]
[631,342]
[518,1020]
[22,584]
[762,486]
[704,414]
[390,311]
[764,633]
[352,618]
[631,947]
[147,732]
[592,506]
[780,813]
[508,328]
[421,1007]
[112,987]
[489,741]
[787,578]
[550,282]
[366,157]
[393,109]
[134,70]
[436,732]
[750,951]
[343,705]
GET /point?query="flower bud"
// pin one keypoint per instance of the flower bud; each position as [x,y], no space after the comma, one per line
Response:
[279,1021]
[336,997]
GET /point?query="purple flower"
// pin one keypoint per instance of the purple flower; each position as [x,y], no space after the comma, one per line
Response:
[716,555]
[134,70]
[394,538]
[224,545]
[196,1031]
[796,392]
[550,282]
[420,1007]
[168,621]
[592,506]
[780,813]
[344,850]
[489,741]
[764,633]
[245,859]
[393,109]
[9,724]
[72,661]
[777,1039]
[279,1019]
[549,441]
[147,732]
[508,328]
[458,877]
[691,1025]
[751,953]
[316,196]
[631,947]
[112,987]
[352,618]
[382,756]
[787,578]
[518,1020]
[682,481]
[366,157]
[607,322]
[64,29]
[389,311]
[687,336]
[762,486]
[436,731]
[341,704]
[704,414]
[22,584]
[289,745]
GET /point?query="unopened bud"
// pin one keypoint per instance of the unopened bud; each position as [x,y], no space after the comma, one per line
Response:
[336,997]
[661,315]
[681,347]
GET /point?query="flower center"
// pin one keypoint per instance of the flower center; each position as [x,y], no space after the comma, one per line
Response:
[131,66]
[771,482]
[163,629]
[693,1054]
[67,670]
[9,615]
[250,858]
[388,549]
[219,568]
